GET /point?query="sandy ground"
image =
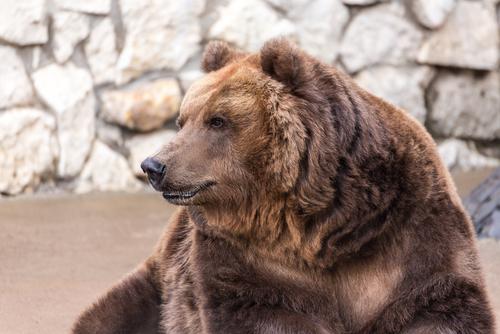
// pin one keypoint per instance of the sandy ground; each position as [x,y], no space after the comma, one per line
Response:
[57,254]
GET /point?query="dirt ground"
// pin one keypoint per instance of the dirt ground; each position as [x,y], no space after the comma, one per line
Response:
[57,254]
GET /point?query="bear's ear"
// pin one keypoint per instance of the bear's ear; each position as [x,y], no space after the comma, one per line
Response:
[217,54]
[283,61]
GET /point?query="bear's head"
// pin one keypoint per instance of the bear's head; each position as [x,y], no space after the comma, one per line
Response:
[276,131]
[240,135]
[277,141]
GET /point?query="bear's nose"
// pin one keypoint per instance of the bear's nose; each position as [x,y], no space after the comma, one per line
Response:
[154,169]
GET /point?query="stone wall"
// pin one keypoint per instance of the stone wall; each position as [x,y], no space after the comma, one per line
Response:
[88,88]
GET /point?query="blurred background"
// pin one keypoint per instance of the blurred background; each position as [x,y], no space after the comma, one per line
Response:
[89,88]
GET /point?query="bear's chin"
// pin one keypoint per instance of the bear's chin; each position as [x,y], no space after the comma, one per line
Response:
[179,199]
[191,196]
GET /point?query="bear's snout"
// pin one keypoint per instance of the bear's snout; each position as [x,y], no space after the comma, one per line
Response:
[155,171]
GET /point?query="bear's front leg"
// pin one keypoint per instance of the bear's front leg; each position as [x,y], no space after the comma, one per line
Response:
[131,306]
[255,319]
[448,304]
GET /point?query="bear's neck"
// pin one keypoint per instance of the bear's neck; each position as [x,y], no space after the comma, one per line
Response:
[278,230]
[255,222]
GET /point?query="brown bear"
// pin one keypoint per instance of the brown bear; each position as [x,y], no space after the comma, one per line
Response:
[309,206]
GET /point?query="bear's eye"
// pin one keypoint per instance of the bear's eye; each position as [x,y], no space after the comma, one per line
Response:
[216,122]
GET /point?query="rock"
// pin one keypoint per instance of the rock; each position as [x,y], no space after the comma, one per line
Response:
[68,30]
[248,24]
[360,2]
[286,5]
[459,155]
[468,39]
[380,35]
[68,91]
[36,57]
[483,204]
[15,86]
[494,230]
[143,108]
[101,52]
[489,149]
[160,35]
[110,134]
[432,14]
[28,149]
[98,7]
[320,24]
[106,170]
[23,22]
[465,105]
[190,72]
[402,86]
[188,77]
[144,145]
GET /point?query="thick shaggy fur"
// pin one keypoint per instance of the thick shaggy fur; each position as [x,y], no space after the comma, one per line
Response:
[328,211]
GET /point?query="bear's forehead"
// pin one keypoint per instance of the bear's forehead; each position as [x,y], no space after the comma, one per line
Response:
[230,86]
[199,93]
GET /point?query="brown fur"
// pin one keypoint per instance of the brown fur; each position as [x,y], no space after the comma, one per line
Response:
[321,209]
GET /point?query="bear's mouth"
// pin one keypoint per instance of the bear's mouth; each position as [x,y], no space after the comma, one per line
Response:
[184,197]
